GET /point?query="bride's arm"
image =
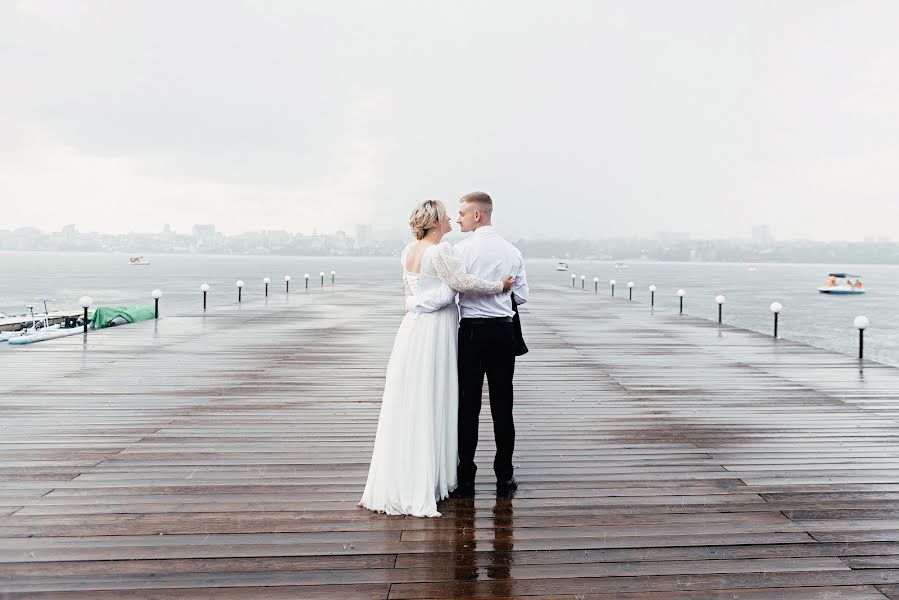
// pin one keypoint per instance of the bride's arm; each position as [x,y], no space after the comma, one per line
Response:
[432,300]
[452,272]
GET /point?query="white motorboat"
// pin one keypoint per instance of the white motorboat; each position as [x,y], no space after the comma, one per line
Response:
[621,265]
[138,260]
[562,266]
[841,284]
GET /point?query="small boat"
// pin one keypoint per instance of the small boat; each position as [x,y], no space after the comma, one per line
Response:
[48,333]
[562,266]
[138,260]
[621,265]
[752,268]
[7,336]
[840,283]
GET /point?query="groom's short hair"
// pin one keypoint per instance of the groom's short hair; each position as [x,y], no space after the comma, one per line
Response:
[481,200]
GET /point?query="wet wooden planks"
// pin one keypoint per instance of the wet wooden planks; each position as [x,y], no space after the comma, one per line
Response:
[660,456]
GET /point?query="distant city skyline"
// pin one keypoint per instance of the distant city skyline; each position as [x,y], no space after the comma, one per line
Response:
[365,231]
[208,229]
[203,238]
[758,232]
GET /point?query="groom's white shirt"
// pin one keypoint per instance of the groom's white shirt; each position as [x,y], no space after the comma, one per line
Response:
[486,255]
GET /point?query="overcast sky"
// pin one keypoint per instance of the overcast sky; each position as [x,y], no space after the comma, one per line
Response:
[580,118]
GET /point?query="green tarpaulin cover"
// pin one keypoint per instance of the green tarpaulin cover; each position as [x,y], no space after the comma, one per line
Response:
[104,314]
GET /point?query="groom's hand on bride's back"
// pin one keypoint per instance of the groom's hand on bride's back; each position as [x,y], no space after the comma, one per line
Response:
[507,283]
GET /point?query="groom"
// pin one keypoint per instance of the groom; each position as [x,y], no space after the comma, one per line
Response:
[487,342]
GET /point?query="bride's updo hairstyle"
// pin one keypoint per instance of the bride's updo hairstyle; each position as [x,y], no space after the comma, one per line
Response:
[426,216]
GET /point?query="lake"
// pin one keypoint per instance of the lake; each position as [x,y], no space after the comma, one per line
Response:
[817,319]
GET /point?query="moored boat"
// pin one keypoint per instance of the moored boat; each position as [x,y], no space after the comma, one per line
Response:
[40,335]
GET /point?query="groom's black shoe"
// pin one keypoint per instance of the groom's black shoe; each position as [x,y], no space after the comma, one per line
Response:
[506,488]
[464,490]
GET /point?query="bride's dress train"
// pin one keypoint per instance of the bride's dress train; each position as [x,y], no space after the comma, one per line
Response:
[413,465]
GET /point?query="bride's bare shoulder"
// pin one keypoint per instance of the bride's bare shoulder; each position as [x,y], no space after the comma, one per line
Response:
[415,255]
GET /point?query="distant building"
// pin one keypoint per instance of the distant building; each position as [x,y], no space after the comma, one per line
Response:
[363,235]
[69,233]
[761,234]
[204,232]
[673,236]
[279,237]
[166,230]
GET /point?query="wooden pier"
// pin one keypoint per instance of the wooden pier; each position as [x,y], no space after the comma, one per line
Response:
[221,456]
[18,322]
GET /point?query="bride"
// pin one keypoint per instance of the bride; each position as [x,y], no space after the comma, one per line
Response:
[413,465]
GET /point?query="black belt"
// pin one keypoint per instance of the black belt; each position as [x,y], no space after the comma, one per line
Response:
[486,320]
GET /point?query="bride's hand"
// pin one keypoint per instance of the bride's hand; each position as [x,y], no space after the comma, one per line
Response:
[507,283]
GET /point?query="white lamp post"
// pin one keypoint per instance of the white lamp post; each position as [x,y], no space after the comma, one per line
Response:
[596,285]
[287,283]
[266,281]
[680,294]
[205,289]
[306,277]
[333,275]
[652,295]
[630,290]
[583,281]
[239,285]
[612,283]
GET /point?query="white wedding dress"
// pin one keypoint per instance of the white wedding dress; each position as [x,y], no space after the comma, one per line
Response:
[413,465]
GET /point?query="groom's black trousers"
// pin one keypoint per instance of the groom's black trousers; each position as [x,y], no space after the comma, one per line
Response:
[486,347]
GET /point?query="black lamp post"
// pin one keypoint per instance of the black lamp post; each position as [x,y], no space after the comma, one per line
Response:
[85,302]
[776,307]
[861,323]
[157,294]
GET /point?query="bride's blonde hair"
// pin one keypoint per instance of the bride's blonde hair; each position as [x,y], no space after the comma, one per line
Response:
[425,216]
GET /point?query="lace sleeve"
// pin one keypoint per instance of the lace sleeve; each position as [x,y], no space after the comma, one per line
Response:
[452,272]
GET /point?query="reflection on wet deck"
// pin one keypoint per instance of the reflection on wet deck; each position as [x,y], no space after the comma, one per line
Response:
[660,456]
